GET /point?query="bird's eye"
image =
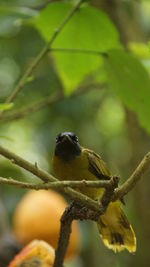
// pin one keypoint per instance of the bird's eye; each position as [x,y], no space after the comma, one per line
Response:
[74,138]
[58,138]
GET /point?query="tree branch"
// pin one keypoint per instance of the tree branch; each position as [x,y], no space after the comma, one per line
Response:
[84,207]
[42,53]
[74,195]
[25,111]
[32,168]
[72,212]
[75,212]
[57,185]
[133,179]
[64,235]
[48,100]
[46,177]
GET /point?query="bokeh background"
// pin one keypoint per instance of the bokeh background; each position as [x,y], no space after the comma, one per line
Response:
[98,116]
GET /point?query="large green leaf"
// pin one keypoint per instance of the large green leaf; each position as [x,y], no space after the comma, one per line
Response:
[89,28]
[128,78]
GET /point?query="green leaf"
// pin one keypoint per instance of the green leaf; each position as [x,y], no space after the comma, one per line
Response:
[128,78]
[6,106]
[88,29]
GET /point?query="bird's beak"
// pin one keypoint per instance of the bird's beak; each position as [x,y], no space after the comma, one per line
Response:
[67,138]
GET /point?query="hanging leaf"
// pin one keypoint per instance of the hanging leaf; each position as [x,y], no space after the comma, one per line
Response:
[128,78]
[88,29]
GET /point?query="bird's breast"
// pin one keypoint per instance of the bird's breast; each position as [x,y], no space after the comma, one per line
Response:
[76,169]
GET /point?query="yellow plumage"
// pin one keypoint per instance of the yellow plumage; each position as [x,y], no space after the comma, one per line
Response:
[115,230]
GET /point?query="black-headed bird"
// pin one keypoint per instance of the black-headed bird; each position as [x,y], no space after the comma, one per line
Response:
[74,162]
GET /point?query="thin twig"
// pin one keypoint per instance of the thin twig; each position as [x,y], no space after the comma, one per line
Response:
[46,177]
[15,159]
[74,195]
[47,101]
[25,111]
[134,178]
[56,185]
[42,53]
[86,208]
[75,212]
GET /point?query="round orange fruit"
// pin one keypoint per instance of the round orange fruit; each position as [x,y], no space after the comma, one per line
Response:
[37,216]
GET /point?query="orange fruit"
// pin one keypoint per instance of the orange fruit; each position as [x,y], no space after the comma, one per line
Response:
[37,216]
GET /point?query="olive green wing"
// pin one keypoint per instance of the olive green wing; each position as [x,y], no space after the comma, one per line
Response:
[97,166]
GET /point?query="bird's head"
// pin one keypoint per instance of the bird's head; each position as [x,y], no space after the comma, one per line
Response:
[67,146]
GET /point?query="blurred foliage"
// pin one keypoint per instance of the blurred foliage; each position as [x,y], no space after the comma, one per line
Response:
[100,117]
[6,106]
[129,79]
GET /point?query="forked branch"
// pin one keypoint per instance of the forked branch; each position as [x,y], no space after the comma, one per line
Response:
[83,207]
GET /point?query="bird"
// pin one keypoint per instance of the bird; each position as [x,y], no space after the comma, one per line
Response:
[71,161]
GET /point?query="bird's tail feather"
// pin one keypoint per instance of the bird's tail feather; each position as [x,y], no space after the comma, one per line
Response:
[115,230]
